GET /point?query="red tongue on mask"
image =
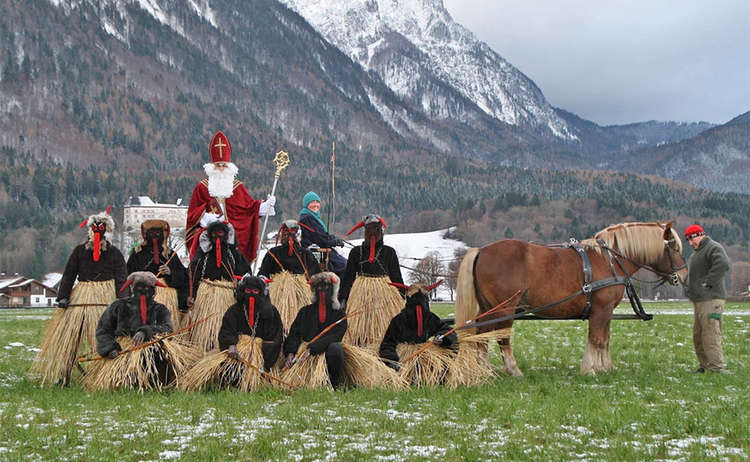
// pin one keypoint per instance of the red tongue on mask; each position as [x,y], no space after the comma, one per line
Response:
[143,309]
[155,247]
[97,241]
[290,246]
[371,258]
[251,311]
[419,320]
[321,307]
[218,253]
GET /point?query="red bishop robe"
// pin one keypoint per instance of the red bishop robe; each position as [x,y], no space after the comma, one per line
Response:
[241,210]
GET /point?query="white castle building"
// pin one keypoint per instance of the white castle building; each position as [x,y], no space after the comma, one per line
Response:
[141,208]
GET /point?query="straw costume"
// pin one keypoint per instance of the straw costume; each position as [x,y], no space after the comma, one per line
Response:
[128,323]
[340,364]
[364,286]
[289,266]
[251,331]
[409,331]
[153,254]
[327,351]
[100,269]
[212,274]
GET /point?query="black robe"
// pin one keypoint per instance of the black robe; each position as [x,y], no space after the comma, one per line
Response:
[306,326]
[384,264]
[123,317]
[203,266]
[268,327]
[144,261]
[290,263]
[81,264]
[403,329]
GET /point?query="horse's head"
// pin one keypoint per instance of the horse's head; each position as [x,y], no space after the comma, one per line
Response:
[654,246]
[671,265]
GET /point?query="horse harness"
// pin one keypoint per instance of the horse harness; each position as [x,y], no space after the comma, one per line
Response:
[588,287]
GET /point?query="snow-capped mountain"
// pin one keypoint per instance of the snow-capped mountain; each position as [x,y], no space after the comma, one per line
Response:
[425,57]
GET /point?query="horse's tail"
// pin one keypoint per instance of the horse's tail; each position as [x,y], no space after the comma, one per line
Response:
[466,296]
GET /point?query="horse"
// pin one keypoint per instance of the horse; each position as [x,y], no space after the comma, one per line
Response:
[549,275]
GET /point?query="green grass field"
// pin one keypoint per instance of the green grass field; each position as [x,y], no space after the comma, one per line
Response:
[651,407]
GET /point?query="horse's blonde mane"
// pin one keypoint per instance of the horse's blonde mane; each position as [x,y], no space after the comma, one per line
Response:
[638,241]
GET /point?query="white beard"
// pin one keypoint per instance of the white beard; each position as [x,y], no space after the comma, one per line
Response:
[220,184]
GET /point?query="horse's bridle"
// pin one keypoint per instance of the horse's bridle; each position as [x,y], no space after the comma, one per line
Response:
[672,277]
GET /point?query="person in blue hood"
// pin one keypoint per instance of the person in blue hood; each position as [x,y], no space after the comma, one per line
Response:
[314,231]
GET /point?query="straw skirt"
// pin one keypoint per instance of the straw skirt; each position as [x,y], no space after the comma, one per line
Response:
[471,366]
[379,301]
[428,368]
[71,330]
[289,292]
[213,298]
[313,373]
[151,368]
[217,369]
[167,296]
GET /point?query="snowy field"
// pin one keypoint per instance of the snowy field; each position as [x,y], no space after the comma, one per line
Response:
[650,408]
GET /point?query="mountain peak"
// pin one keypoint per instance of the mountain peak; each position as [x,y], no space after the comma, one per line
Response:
[436,55]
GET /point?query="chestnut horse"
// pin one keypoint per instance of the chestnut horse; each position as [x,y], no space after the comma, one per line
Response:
[547,275]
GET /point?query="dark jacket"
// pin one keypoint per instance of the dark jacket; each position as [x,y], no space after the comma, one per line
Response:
[81,264]
[123,317]
[268,326]
[143,261]
[306,326]
[403,329]
[291,263]
[203,266]
[707,268]
[318,236]
[384,264]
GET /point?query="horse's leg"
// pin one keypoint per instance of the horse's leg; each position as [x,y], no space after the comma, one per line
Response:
[606,358]
[509,361]
[597,351]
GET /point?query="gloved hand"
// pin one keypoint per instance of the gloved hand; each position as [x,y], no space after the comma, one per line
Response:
[289,361]
[339,242]
[304,356]
[209,218]
[438,340]
[164,270]
[189,302]
[266,207]
[63,303]
[396,366]
[113,354]
[139,338]
[232,352]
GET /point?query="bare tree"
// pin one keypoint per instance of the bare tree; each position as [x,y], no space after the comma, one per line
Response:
[428,270]
[452,279]
[740,278]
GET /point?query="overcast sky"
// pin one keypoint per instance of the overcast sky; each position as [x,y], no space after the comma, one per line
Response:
[614,61]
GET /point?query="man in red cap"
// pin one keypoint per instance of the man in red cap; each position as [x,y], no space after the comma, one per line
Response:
[221,197]
[705,288]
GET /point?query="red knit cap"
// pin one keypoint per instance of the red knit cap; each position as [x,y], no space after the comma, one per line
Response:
[693,231]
